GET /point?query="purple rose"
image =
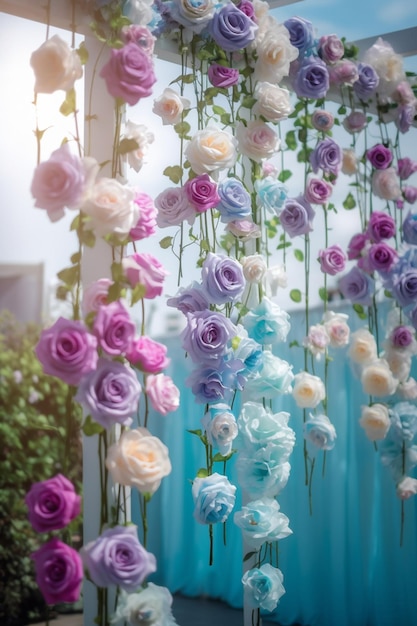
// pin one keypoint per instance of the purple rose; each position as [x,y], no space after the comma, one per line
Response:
[213,384]
[173,207]
[380,226]
[190,299]
[410,228]
[297,216]
[67,350]
[322,120]
[380,257]
[52,504]
[332,260]
[114,328]
[327,156]
[247,7]
[355,122]
[110,394]
[405,115]
[232,29]
[404,287]
[202,192]
[356,245]
[129,73]
[311,79]
[222,278]
[301,34]
[380,157]
[406,167]
[357,287]
[59,572]
[367,82]
[331,48]
[117,558]
[222,76]
[318,191]
[207,335]
[402,337]
[410,194]
[234,200]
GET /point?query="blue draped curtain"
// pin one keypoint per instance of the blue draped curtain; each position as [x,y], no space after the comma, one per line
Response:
[343,565]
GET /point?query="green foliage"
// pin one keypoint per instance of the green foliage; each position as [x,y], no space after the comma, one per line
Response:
[36,417]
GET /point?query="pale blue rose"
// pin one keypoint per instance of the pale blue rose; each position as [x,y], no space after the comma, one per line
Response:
[235,201]
[214,498]
[258,426]
[263,587]
[399,458]
[319,431]
[261,521]
[403,417]
[222,278]
[267,323]
[274,378]
[211,384]
[262,472]
[249,352]
[271,194]
[221,428]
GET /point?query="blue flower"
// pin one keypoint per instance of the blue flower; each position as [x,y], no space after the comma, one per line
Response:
[274,378]
[262,472]
[319,431]
[211,384]
[357,287]
[263,587]
[271,194]
[250,353]
[214,498]
[221,428]
[267,323]
[301,34]
[235,201]
[261,521]
[258,426]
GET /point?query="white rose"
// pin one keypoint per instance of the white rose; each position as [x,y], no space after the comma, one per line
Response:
[111,208]
[407,488]
[387,64]
[275,277]
[408,389]
[254,268]
[337,328]
[56,66]
[377,379]
[143,137]
[362,348]
[139,12]
[349,162]
[272,102]
[386,184]
[151,605]
[221,430]
[211,150]
[375,421]
[138,459]
[170,106]
[257,140]
[275,52]
[317,340]
[399,364]
[308,390]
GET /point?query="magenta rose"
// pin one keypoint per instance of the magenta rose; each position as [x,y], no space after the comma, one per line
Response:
[146,224]
[356,245]
[332,260]
[222,76]
[67,350]
[144,269]
[114,328]
[59,572]
[162,393]
[52,504]
[148,355]
[318,191]
[380,257]
[129,73]
[379,156]
[381,226]
[406,167]
[410,194]
[202,192]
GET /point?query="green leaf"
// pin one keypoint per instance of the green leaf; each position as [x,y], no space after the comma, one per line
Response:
[248,102]
[68,106]
[138,293]
[249,555]
[299,255]
[182,129]
[341,110]
[114,292]
[294,344]
[349,202]
[70,275]
[358,308]
[290,140]
[88,238]
[174,173]
[82,53]
[197,432]
[166,243]
[117,272]
[127,145]
[91,428]
[387,293]
[219,458]
[76,257]
[295,295]
[323,294]
[202,472]
[284,175]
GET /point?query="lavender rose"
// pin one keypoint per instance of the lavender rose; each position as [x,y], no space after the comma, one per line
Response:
[367,82]
[212,384]
[301,34]
[114,328]
[331,48]
[59,572]
[206,336]
[110,394]
[327,156]
[355,122]
[202,192]
[410,228]
[235,201]
[379,156]
[380,226]
[405,287]
[357,287]
[311,79]
[221,76]
[318,191]
[297,216]
[117,557]
[332,260]
[322,120]
[402,337]
[67,350]
[129,73]
[189,299]
[222,278]
[52,504]
[232,29]
[381,257]
[173,208]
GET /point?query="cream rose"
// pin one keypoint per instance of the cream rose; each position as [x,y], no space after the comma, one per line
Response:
[275,53]
[143,137]
[254,268]
[399,364]
[408,389]
[211,150]
[407,488]
[272,102]
[257,140]
[337,328]
[111,208]
[308,390]
[377,379]
[170,106]
[362,348]
[138,459]
[375,421]
[349,162]
[386,184]
[387,64]
[56,66]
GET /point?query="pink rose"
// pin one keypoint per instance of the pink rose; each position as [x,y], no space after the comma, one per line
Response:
[331,48]
[59,572]
[146,224]
[140,35]
[322,120]
[410,194]
[332,260]
[318,191]
[95,295]
[162,393]
[202,192]
[356,246]
[52,504]
[343,72]
[257,140]
[406,167]
[148,355]
[173,208]
[114,328]
[386,184]
[355,122]
[129,73]
[144,269]
[244,229]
